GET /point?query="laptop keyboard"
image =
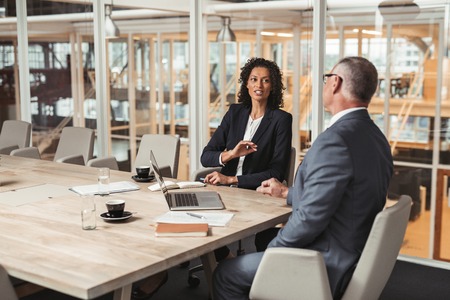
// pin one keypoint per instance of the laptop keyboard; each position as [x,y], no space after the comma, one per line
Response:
[185,199]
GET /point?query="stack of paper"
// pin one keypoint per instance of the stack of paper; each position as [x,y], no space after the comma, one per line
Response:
[212,219]
[114,187]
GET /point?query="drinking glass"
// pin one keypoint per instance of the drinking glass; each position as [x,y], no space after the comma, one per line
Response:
[88,211]
[103,181]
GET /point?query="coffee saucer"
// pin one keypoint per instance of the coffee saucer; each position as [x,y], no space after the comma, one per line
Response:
[107,217]
[139,179]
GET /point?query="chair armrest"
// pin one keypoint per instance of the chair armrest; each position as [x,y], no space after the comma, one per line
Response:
[30,152]
[7,149]
[76,159]
[291,273]
[202,172]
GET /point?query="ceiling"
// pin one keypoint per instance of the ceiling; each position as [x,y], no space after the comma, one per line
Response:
[154,16]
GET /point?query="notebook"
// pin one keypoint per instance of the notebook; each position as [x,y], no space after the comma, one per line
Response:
[192,200]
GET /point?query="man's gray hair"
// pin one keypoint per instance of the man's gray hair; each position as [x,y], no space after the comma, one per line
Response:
[360,78]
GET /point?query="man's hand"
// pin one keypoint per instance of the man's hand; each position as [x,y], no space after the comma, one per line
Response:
[273,188]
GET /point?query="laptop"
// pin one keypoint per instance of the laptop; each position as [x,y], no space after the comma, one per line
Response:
[193,200]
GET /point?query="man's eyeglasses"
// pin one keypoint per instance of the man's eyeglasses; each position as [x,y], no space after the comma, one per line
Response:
[325,77]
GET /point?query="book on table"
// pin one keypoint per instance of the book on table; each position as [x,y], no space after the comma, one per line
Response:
[179,229]
[170,185]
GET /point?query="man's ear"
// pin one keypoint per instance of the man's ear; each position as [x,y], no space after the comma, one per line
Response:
[337,84]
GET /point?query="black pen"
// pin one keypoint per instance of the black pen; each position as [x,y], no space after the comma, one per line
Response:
[196,216]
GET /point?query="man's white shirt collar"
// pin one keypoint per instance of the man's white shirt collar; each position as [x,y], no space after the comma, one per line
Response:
[341,114]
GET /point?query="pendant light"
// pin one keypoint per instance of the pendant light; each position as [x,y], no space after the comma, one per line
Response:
[225,33]
[111,29]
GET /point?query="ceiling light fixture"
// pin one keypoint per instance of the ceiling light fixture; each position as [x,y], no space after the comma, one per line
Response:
[111,29]
[391,10]
[267,33]
[225,33]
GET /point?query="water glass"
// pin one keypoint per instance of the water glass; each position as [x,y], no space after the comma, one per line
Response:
[103,181]
[88,212]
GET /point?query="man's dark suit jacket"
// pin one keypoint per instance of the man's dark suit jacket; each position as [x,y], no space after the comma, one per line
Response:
[273,139]
[339,188]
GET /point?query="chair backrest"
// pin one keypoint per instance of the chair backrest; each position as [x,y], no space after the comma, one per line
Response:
[29,152]
[6,287]
[103,162]
[291,274]
[380,252]
[15,133]
[75,141]
[166,149]
[290,171]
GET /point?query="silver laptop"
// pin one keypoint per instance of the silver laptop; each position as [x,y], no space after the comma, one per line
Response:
[193,200]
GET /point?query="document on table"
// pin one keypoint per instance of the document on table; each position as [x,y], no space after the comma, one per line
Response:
[114,187]
[213,219]
[32,194]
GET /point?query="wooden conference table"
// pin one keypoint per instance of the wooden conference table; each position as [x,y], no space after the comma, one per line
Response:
[41,240]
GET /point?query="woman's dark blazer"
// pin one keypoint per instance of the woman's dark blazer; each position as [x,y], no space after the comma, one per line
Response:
[273,138]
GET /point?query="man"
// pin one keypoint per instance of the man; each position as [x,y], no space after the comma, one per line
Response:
[339,188]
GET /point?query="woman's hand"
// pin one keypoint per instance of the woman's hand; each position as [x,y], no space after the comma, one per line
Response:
[218,178]
[243,148]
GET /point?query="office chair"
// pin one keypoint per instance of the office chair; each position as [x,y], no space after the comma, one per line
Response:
[15,134]
[103,162]
[29,152]
[76,145]
[193,280]
[293,273]
[290,171]
[166,149]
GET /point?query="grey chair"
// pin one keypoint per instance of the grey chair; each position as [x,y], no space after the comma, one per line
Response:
[15,134]
[103,162]
[29,152]
[6,287]
[76,145]
[291,273]
[290,171]
[166,149]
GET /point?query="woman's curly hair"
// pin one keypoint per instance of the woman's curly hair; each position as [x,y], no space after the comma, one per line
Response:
[275,99]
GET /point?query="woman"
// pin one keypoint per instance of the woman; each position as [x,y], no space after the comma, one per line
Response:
[253,141]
